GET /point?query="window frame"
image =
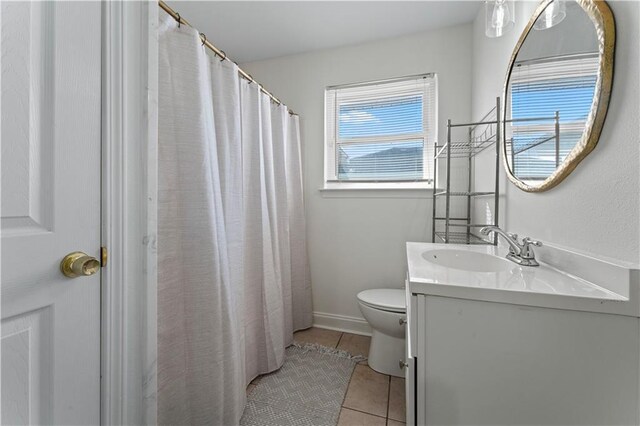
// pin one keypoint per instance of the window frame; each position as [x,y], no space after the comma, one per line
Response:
[386,90]
[570,67]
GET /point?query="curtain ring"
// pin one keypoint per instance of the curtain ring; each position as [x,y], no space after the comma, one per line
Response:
[223,57]
[204,38]
[251,80]
[179,19]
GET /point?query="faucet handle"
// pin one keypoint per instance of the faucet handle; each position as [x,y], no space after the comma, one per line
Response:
[513,236]
[526,241]
[527,252]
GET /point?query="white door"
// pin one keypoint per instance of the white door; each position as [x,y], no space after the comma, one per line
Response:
[50,206]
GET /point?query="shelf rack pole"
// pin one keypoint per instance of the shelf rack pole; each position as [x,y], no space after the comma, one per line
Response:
[496,196]
[448,195]
[433,197]
[469,187]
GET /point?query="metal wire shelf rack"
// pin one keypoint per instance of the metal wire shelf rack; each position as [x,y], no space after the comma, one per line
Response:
[482,135]
[461,238]
[462,194]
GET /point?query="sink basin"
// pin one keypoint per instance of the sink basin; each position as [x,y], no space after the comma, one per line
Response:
[564,279]
[468,260]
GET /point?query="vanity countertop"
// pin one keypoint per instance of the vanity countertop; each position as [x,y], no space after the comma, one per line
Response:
[564,279]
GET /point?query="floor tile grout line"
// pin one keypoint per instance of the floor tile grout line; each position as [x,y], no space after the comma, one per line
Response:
[339,340]
[403,396]
[388,397]
[364,412]
[348,384]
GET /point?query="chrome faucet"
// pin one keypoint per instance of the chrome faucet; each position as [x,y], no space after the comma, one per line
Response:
[520,253]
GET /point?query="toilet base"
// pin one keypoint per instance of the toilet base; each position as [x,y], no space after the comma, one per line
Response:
[385,354]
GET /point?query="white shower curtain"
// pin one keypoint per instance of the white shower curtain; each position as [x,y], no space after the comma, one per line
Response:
[233,278]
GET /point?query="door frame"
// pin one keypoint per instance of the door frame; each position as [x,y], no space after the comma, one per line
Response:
[129,209]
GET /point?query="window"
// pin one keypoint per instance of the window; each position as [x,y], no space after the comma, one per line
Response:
[381,134]
[536,145]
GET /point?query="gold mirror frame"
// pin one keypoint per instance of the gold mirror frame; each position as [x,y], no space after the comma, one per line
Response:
[602,18]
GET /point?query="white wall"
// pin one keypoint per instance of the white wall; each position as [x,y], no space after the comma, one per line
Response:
[595,209]
[356,238]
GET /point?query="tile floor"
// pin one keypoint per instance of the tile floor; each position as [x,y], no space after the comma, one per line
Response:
[372,398]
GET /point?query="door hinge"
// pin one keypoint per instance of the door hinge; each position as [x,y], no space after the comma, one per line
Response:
[104,256]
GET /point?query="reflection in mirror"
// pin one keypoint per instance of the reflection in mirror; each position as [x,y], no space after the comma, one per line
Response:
[550,93]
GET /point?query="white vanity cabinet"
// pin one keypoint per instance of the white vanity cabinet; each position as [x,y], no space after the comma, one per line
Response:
[495,357]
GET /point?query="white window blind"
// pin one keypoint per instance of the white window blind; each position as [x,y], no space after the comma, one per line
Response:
[381,132]
[539,90]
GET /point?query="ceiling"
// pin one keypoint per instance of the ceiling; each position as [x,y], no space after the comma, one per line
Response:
[254,30]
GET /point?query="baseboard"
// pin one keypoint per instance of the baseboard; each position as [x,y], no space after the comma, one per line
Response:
[343,323]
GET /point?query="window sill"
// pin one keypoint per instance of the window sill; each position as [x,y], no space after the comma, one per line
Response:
[376,192]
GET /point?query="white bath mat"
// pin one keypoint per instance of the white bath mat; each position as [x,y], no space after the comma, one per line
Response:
[307,390]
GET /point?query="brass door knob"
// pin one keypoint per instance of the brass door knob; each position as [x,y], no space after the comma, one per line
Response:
[78,264]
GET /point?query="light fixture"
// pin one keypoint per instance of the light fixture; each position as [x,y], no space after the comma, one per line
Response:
[553,14]
[499,17]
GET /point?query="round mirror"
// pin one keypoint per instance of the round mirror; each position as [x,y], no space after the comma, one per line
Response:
[557,91]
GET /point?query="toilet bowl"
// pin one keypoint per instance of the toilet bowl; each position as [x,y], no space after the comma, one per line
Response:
[384,309]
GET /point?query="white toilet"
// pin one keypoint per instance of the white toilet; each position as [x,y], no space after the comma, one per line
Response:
[385,310]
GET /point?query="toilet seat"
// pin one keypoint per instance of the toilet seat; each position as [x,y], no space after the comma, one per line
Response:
[384,299]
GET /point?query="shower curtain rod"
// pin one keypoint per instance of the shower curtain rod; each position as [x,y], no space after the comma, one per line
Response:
[175,15]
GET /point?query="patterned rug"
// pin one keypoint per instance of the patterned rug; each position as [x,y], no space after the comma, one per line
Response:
[307,390]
